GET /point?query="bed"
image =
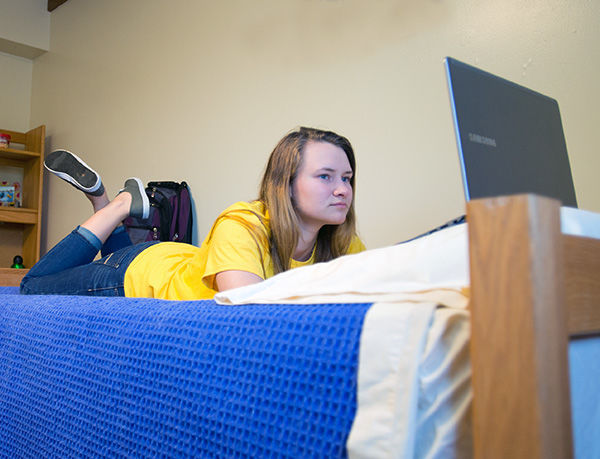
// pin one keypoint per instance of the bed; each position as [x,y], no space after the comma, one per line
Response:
[468,355]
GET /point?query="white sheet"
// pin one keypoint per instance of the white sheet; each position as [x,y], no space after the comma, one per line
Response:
[579,222]
[384,425]
[414,390]
[443,421]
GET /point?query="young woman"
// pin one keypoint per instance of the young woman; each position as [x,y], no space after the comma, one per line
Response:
[304,214]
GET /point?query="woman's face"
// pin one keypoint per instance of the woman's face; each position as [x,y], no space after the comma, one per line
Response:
[321,191]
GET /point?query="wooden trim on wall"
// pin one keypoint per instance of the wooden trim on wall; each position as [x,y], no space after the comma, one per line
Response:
[53,4]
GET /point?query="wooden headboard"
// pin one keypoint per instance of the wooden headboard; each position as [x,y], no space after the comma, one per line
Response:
[531,289]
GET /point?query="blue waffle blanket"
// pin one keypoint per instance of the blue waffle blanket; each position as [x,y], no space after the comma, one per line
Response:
[124,377]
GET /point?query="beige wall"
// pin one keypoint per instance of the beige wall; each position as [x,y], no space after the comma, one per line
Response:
[26,22]
[15,103]
[24,27]
[202,90]
[15,92]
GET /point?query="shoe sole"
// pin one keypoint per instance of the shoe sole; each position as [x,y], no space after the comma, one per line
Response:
[69,167]
[143,197]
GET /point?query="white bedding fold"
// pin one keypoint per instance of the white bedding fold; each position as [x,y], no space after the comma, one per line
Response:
[391,345]
[430,269]
[433,268]
[414,392]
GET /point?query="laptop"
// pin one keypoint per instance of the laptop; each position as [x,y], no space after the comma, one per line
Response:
[510,139]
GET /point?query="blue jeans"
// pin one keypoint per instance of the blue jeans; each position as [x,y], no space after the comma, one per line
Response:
[69,268]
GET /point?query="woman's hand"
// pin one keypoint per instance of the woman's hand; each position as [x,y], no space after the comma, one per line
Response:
[226,280]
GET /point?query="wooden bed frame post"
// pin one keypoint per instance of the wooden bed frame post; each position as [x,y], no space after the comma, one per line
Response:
[521,405]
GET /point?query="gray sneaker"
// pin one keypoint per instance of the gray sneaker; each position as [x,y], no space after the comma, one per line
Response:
[69,167]
[140,205]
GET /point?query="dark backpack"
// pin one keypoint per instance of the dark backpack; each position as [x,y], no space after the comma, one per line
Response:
[170,216]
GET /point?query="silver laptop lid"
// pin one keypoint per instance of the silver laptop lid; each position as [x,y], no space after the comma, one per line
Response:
[510,138]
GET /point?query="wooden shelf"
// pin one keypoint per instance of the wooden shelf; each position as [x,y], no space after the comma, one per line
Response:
[18,215]
[20,227]
[19,155]
[11,277]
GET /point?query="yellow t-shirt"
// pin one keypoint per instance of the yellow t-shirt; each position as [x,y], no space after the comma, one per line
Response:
[176,271]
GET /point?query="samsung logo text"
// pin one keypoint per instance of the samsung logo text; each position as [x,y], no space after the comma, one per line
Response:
[477,138]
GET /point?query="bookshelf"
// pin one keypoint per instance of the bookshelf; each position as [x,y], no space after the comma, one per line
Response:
[20,227]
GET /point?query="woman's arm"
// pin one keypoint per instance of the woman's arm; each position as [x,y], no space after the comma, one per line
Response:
[236,248]
[226,280]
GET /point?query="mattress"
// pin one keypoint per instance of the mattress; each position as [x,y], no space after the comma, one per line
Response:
[125,377]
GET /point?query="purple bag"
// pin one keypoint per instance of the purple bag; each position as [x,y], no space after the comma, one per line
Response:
[170,216]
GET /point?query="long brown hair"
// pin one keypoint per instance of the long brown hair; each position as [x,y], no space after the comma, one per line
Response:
[275,193]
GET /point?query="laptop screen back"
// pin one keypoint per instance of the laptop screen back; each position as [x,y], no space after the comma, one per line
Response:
[510,138]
